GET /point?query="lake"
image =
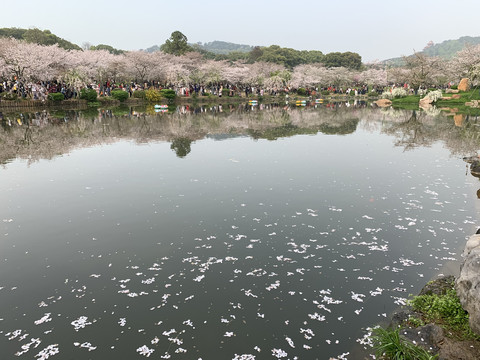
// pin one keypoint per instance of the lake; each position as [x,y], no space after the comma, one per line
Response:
[234,232]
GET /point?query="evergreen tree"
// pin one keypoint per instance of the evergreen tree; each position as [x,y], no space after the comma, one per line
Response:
[176,44]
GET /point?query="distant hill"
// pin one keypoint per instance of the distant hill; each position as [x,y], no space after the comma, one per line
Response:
[152,49]
[214,47]
[218,49]
[108,48]
[446,49]
[223,47]
[38,36]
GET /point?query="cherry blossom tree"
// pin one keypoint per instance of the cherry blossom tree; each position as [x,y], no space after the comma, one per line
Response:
[278,81]
[466,63]
[309,75]
[176,74]
[31,62]
[374,77]
[397,75]
[422,70]
[261,71]
[141,65]
[213,71]
[340,76]
[235,74]
[117,68]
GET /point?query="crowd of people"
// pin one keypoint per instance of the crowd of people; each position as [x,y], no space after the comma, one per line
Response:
[14,89]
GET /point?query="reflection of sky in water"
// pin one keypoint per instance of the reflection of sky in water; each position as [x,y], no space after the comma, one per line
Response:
[243,249]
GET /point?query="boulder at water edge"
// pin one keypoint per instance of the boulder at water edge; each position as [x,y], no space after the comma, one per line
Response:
[383,103]
[426,102]
[468,283]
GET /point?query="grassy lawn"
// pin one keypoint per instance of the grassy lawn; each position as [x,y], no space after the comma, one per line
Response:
[464,97]
[411,102]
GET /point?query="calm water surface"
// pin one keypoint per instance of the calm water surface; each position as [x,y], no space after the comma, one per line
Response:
[239,248]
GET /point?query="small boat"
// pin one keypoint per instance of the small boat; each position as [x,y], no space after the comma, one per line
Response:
[160,106]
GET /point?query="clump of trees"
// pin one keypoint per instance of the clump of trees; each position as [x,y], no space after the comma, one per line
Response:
[37,36]
[109,48]
[176,65]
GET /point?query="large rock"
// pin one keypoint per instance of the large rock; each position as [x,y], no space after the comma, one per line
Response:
[425,102]
[474,162]
[438,287]
[473,103]
[463,86]
[429,336]
[468,283]
[383,103]
[458,118]
[451,91]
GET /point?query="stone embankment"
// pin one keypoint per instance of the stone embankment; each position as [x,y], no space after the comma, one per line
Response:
[468,283]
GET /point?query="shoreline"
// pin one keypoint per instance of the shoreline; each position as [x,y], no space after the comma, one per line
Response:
[180,100]
[432,335]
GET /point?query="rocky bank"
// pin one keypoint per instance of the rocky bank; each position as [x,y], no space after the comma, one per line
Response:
[432,336]
[468,283]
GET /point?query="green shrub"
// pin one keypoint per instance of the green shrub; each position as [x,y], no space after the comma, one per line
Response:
[388,344]
[325,92]
[56,96]
[88,94]
[8,96]
[58,114]
[121,110]
[106,100]
[90,112]
[446,310]
[139,94]
[301,91]
[454,87]
[225,92]
[372,94]
[120,95]
[415,321]
[153,95]
[168,94]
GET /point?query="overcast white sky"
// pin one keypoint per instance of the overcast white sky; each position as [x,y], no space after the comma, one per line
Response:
[377,30]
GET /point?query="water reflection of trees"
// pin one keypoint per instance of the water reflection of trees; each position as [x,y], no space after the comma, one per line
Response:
[412,132]
[181,146]
[33,136]
[413,128]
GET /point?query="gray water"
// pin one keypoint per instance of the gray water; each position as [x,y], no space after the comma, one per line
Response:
[239,233]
